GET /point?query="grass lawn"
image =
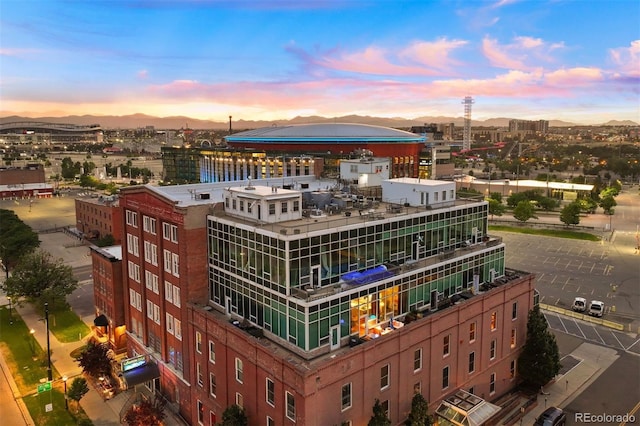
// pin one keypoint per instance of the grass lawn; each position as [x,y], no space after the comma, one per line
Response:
[66,326]
[27,364]
[560,233]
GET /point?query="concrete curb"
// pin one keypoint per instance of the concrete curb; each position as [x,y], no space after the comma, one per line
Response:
[583,317]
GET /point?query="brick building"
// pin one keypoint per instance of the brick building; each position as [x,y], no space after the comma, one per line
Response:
[108,295]
[97,217]
[259,296]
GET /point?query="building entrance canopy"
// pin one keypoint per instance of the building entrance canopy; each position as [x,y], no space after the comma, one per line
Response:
[465,409]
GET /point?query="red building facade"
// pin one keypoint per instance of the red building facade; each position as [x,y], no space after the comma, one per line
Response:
[97,217]
[165,266]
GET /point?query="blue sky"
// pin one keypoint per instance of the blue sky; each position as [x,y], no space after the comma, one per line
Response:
[577,61]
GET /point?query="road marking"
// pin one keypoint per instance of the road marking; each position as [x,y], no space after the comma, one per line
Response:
[580,329]
[633,344]
[601,339]
[631,413]
[592,266]
[554,279]
[562,323]
[616,337]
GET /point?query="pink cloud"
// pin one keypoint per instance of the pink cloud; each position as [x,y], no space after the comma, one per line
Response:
[143,74]
[627,59]
[574,77]
[420,58]
[524,53]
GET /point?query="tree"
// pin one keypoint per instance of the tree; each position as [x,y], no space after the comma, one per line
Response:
[39,278]
[95,359]
[379,417]
[496,196]
[234,415]
[496,207]
[608,203]
[524,211]
[570,214]
[540,358]
[107,240]
[419,415]
[77,390]
[146,413]
[16,239]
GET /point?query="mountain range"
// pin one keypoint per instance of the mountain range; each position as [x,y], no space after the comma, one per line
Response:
[180,122]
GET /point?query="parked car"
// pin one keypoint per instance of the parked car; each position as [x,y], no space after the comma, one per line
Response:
[579,304]
[552,416]
[596,308]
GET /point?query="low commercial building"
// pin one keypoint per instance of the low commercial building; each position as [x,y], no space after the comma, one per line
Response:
[99,216]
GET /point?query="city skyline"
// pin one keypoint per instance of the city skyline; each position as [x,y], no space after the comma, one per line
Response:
[269,60]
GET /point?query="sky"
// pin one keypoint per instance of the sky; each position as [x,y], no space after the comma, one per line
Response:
[572,60]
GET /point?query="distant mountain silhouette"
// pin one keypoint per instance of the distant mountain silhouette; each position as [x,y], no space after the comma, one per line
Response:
[178,122]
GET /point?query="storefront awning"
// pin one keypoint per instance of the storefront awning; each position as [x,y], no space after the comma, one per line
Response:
[142,374]
[101,321]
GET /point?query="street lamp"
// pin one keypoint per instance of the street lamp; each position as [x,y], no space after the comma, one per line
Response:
[32,332]
[66,400]
[10,313]
[46,320]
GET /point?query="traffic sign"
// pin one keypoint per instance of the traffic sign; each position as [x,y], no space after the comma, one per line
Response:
[43,387]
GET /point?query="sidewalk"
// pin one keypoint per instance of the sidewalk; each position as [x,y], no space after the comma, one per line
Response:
[593,361]
[101,412]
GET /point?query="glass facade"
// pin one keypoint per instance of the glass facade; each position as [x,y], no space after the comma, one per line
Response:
[303,288]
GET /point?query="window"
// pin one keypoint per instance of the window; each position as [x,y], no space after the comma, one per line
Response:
[176,296]
[445,345]
[149,224]
[132,245]
[284,207]
[384,377]
[296,206]
[346,396]
[492,349]
[239,400]
[149,309]
[512,369]
[385,407]
[178,328]
[170,232]
[291,406]
[272,208]
[270,421]
[199,374]
[492,384]
[212,384]
[353,168]
[514,311]
[494,321]
[175,264]
[132,218]
[271,392]
[198,342]
[445,377]
[167,260]
[200,412]
[513,338]
[472,332]
[168,291]
[417,360]
[241,205]
[417,387]
[212,352]
[239,370]
[233,204]
[170,324]
[472,362]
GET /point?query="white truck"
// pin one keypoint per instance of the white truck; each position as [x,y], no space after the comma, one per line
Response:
[579,304]
[596,308]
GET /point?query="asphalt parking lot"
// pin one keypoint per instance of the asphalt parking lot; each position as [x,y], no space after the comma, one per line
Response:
[628,342]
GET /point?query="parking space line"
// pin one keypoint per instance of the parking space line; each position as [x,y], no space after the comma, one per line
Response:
[616,337]
[633,344]
[579,328]
[603,342]
[562,322]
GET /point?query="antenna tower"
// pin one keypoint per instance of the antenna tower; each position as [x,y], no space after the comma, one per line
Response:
[466,139]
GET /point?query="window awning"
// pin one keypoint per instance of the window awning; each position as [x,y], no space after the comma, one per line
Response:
[142,374]
[101,321]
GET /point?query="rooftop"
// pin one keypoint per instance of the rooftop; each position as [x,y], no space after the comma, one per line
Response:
[327,132]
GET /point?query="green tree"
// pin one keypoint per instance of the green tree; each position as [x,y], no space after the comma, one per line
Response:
[105,241]
[379,417]
[496,196]
[146,413]
[16,239]
[608,203]
[496,207]
[547,203]
[570,214]
[419,415]
[40,278]
[515,198]
[540,358]
[234,415]
[524,211]
[95,359]
[77,390]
